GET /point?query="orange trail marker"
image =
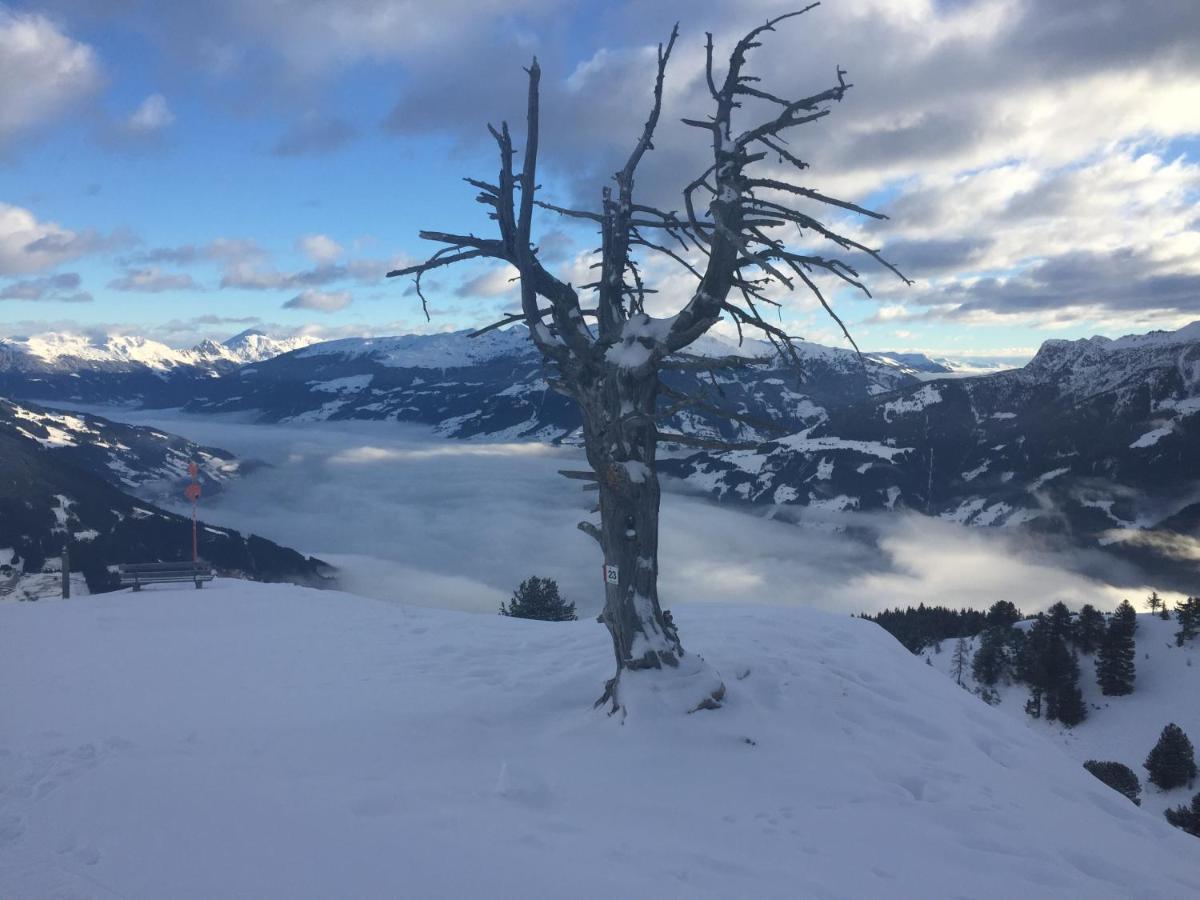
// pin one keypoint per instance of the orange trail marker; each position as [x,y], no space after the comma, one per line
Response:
[192,492]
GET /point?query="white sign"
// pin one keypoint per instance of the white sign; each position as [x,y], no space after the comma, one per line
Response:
[611,575]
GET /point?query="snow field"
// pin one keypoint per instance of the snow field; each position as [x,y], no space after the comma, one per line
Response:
[272,741]
[1121,729]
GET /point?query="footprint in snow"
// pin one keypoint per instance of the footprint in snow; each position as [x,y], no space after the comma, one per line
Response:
[523,786]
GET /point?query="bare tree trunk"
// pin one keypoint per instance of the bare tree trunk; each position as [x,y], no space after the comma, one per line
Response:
[621,441]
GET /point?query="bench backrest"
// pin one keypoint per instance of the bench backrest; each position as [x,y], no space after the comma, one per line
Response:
[165,568]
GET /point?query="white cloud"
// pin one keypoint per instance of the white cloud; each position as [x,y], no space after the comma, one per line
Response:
[312,36]
[28,245]
[320,301]
[320,248]
[42,72]
[492,283]
[152,280]
[152,116]
[62,288]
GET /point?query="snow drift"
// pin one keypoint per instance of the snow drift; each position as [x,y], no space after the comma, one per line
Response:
[272,741]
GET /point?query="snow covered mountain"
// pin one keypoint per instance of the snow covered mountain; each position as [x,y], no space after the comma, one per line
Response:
[1120,729]
[494,386]
[64,477]
[1097,438]
[124,368]
[250,346]
[65,352]
[144,461]
[425,753]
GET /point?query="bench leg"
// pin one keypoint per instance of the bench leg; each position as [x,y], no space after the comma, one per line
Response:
[199,584]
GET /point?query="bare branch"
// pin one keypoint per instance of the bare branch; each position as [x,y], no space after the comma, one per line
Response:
[686,400]
[690,362]
[437,261]
[774,185]
[783,154]
[692,440]
[589,529]
[579,474]
[529,169]
[625,177]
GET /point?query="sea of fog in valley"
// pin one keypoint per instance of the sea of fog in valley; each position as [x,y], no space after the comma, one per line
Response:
[408,516]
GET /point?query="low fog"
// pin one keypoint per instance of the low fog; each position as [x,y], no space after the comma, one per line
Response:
[413,518]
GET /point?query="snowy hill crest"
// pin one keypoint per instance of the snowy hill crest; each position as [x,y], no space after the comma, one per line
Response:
[839,767]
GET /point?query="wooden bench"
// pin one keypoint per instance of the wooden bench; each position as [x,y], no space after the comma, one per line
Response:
[136,575]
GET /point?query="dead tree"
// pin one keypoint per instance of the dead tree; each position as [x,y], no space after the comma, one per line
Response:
[729,238]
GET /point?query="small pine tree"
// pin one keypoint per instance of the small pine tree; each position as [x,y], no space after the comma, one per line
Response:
[538,598]
[1154,602]
[1186,817]
[988,696]
[1172,762]
[959,660]
[1115,670]
[1187,614]
[1089,630]
[1117,776]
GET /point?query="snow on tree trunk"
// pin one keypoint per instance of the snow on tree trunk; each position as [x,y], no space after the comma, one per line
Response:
[621,441]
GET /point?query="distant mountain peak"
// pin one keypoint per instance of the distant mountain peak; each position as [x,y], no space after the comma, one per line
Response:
[243,337]
[251,346]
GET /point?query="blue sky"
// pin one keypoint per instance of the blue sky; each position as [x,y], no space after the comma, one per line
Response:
[185,173]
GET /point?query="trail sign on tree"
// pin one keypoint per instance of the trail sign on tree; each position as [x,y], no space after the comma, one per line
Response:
[731,240]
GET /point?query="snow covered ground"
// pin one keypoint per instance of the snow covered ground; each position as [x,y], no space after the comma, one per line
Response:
[1121,729]
[37,586]
[270,741]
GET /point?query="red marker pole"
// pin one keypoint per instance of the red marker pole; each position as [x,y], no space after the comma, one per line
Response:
[192,492]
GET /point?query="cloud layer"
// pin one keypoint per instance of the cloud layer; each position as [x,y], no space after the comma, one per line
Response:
[43,73]
[460,524]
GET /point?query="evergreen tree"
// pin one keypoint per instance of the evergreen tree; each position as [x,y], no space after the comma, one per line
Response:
[1003,614]
[924,626]
[992,660]
[1172,762]
[538,598]
[1155,602]
[1064,699]
[1187,614]
[1117,776]
[1186,817]
[1050,669]
[1060,621]
[1031,665]
[1115,670]
[959,661]
[1089,630]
